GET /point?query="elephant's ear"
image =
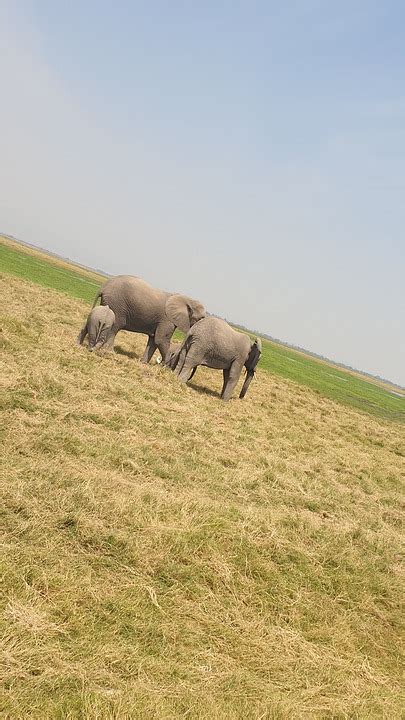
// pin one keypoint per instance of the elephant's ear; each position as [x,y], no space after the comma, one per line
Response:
[179,312]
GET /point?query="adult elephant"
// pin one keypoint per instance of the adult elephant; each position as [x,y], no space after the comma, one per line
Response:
[215,344]
[138,307]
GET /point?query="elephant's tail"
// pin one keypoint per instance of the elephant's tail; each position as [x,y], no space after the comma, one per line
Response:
[96,298]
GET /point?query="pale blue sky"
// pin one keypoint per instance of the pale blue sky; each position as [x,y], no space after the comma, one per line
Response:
[251,154]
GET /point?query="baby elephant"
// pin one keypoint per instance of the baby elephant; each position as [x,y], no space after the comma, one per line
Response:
[213,343]
[98,327]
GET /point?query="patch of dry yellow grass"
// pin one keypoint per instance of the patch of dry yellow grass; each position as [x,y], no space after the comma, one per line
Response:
[168,555]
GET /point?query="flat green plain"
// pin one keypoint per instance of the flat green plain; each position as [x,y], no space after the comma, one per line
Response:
[330,381]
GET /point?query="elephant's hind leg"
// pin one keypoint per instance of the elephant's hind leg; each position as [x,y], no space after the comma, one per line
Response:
[226,378]
[232,380]
[109,343]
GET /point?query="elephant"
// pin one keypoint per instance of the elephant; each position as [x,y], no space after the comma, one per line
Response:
[138,307]
[172,358]
[172,354]
[215,344]
[97,326]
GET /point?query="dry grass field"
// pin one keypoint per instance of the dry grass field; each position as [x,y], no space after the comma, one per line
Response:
[347,387]
[166,555]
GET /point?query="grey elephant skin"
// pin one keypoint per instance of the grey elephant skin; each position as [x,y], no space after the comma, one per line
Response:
[215,344]
[138,307]
[98,327]
[173,355]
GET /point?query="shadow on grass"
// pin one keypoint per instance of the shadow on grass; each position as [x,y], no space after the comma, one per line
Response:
[128,353]
[203,390]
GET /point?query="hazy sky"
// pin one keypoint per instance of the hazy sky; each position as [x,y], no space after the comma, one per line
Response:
[250,154]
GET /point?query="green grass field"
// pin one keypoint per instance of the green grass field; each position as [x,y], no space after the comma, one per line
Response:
[42,269]
[330,381]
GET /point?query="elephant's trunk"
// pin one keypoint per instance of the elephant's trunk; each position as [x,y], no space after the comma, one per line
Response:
[248,379]
[97,345]
[250,365]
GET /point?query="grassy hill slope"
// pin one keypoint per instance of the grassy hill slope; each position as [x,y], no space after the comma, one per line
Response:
[346,387]
[168,555]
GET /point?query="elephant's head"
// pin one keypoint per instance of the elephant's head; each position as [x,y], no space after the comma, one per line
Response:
[183,311]
[173,355]
[250,364]
[99,324]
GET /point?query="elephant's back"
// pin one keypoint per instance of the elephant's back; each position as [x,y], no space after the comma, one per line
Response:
[221,342]
[218,331]
[124,284]
[137,305]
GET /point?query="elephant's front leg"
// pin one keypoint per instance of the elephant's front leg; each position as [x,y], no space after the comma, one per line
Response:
[163,335]
[188,370]
[189,360]
[149,350]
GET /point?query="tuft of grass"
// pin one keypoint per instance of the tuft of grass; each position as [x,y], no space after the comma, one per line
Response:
[345,387]
[167,555]
[330,381]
